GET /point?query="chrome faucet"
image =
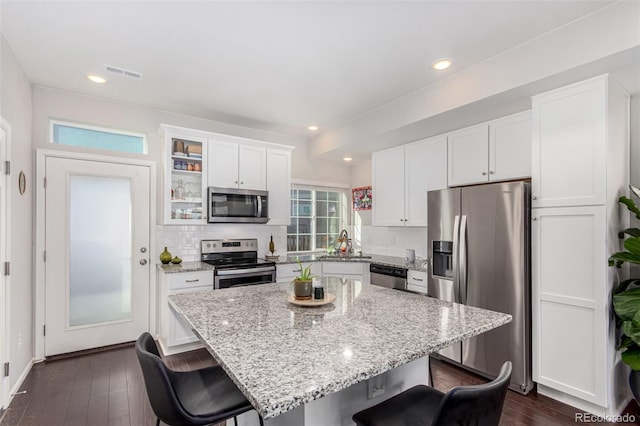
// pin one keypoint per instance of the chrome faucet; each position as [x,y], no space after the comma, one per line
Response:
[344,241]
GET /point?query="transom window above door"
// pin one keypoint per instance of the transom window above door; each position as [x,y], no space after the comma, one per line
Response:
[73,134]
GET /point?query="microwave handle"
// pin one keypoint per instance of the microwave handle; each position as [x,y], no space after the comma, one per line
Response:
[259,199]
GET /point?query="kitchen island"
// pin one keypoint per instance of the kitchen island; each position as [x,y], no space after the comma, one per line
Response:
[317,366]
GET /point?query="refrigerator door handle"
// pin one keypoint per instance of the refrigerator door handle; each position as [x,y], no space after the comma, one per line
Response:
[454,255]
[462,263]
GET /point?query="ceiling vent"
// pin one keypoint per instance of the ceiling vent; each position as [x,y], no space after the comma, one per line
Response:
[121,71]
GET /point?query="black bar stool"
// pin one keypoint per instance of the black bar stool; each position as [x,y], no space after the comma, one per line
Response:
[196,397]
[479,405]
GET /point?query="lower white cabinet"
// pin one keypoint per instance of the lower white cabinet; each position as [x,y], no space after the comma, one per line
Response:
[346,270]
[288,271]
[417,281]
[570,301]
[174,334]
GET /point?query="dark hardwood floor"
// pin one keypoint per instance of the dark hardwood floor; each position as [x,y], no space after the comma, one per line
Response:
[106,388]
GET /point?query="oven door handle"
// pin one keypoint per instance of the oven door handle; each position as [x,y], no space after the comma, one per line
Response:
[223,272]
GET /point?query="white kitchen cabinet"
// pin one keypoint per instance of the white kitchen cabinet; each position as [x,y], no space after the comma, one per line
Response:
[468,155]
[494,151]
[417,281]
[570,136]
[184,176]
[279,185]
[579,169]
[346,270]
[388,187]
[402,177]
[569,309]
[510,147]
[174,334]
[237,163]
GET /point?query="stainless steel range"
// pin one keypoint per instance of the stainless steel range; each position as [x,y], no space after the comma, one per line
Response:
[236,263]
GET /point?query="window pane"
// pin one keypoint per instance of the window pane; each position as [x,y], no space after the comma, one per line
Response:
[304,194]
[321,195]
[304,226]
[333,209]
[304,208]
[334,226]
[90,138]
[304,242]
[321,226]
[333,196]
[322,241]
[293,228]
[321,208]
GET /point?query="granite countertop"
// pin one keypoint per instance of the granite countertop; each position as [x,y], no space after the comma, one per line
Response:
[171,268]
[282,356]
[420,265]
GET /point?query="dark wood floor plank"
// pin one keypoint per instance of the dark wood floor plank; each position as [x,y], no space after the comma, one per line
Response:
[107,388]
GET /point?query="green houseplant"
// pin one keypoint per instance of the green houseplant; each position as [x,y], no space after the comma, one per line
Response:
[626,297]
[302,284]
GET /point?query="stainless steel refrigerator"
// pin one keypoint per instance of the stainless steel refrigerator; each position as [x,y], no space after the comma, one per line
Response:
[479,249]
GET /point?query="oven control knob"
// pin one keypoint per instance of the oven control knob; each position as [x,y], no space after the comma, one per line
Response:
[208,245]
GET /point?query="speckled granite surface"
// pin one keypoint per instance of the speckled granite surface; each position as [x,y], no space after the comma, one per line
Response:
[374,258]
[282,356]
[170,268]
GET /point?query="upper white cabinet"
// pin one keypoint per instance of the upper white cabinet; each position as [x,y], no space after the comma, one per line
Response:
[185,181]
[493,151]
[233,164]
[570,146]
[279,185]
[402,177]
[510,147]
[195,159]
[468,155]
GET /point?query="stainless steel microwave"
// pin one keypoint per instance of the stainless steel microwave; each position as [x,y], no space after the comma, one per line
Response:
[232,205]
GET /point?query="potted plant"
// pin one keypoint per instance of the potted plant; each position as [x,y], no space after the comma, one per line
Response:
[626,298]
[302,284]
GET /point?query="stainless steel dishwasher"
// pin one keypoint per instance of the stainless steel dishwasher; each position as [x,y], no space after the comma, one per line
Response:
[388,276]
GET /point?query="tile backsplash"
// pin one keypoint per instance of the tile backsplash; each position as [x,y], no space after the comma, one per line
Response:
[184,240]
[391,241]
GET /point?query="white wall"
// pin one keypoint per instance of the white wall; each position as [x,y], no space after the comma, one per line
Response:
[15,107]
[384,240]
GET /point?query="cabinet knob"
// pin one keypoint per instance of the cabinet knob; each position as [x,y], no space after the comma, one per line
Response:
[491,172]
[534,197]
[484,173]
[143,262]
[236,181]
[401,220]
[534,218]
[241,183]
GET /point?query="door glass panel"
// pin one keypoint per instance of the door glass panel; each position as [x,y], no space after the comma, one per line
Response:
[99,256]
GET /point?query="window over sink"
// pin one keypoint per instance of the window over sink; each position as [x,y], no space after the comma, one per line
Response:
[317,216]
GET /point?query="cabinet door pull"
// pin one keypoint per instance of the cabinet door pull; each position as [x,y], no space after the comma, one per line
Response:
[484,173]
[534,197]
[491,172]
[534,218]
[418,279]
[192,281]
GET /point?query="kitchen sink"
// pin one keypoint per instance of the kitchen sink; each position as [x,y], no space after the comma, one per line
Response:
[343,256]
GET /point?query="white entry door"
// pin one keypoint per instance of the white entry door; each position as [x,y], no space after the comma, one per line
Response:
[4,257]
[97,254]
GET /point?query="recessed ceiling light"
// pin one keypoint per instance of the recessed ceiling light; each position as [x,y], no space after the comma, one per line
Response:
[96,78]
[313,128]
[347,158]
[441,64]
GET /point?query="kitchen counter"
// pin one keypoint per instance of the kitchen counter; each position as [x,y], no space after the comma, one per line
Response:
[283,356]
[370,258]
[171,268]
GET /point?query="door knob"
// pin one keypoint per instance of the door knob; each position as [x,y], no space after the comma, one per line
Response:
[143,250]
[143,262]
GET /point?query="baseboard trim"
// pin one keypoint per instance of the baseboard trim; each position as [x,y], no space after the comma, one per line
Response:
[581,404]
[21,378]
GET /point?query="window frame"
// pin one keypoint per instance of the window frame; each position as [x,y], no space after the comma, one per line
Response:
[343,215]
[54,122]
